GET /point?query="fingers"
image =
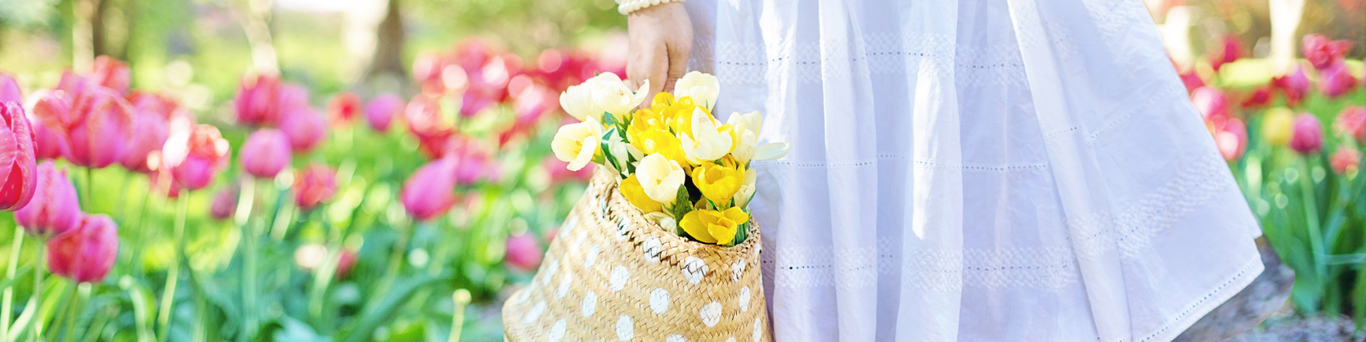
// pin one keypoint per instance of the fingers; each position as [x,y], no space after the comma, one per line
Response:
[648,62]
[678,64]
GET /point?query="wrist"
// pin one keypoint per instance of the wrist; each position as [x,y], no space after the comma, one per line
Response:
[628,6]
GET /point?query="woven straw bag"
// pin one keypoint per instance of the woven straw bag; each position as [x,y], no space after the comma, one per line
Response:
[612,275]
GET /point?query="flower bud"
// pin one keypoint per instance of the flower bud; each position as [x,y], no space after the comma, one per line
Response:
[265,153]
[524,252]
[381,111]
[1278,126]
[16,156]
[1346,160]
[304,127]
[55,208]
[430,192]
[195,156]
[342,108]
[224,203]
[1336,80]
[86,252]
[316,184]
[101,127]
[1308,137]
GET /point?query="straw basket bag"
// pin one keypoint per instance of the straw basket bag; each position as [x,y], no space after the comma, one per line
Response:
[612,275]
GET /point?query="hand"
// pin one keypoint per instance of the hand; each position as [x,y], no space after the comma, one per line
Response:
[661,39]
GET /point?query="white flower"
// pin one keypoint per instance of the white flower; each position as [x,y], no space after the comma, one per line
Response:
[746,192]
[745,129]
[611,95]
[577,143]
[660,178]
[706,142]
[663,219]
[770,151]
[702,88]
[578,101]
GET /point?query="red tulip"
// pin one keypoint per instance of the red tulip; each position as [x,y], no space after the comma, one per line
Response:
[258,101]
[1211,102]
[1231,50]
[1323,53]
[87,252]
[1308,137]
[430,191]
[195,156]
[343,107]
[9,90]
[345,263]
[425,121]
[381,110]
[304,127]
[1352,121]
[1258,98]
[1346,160]
[16,156]
[152,132]
[265,153]
[314,185]
[1336,80]
[524,252]
[110,73]
[1192,80]
[1232,139]
[224,203]
[55,208]
[1295,85]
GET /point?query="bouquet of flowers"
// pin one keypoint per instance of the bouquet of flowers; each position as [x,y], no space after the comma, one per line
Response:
[674,161]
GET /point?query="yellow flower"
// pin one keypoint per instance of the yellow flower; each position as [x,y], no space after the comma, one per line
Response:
[746,192]
[679,115]
[577,143]
[662,100]
[718,182]
[630,187]
[712,226]
[659,141]
[1278,125]
[707,140]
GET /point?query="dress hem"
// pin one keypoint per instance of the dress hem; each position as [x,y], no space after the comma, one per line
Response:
[1205,304]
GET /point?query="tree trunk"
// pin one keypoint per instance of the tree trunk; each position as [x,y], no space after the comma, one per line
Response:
[257,26]
[99,33]
[388,58]
[82,34]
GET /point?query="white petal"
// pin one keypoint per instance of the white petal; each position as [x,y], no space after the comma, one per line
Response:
[770,151]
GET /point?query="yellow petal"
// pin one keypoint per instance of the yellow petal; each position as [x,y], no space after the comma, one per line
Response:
[692,224]
[737,215]
[630,187]
[724,233]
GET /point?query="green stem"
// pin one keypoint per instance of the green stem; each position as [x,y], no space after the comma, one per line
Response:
[249,254]
[461,298]
[8,300]
[120,206]
[1312,215]
[395,262]
[140,311]
[89,197]
[135,263]
[173,275]
[39,316]
[73,304]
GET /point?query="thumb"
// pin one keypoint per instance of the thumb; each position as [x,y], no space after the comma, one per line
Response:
[678,65]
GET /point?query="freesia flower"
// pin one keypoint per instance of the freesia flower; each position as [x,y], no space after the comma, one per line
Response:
[634,193]
[343,107]
[16,156]
[265,153]
[1308,137]
[314,185]
[577,100]
[380,112]
[660,178]
[87,252]
[195,156]
[304,127]
[707,140]
[613,96]
[1278,126]
[524,252]
[55,208]
[702,88]
[716,227]
[224,203]
[1346,160]
[1336,80]
[430,192]
[1323,53]
[718,182]
[577,143]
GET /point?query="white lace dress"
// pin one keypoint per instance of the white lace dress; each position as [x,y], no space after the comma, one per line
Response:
[1010,170]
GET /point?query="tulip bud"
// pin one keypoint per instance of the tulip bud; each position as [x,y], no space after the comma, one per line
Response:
[224,203]
[1336,80]
[1352,121]
[1230,51]
[524,252]
[314,185]
[9,90]
[343,107]
[1232,139]
[1258,98]
[1308,137]
[110,73]
[430,192]
[1323,53]
[16,155]
[381,111]
[195,156]
[258,101]
[1346,160]
[1278,126]
[1295,85]
[265,153]
[101,127]
[1211,102]
[152,132]
[55,208]
[86,252]
[304,127]
[345,263]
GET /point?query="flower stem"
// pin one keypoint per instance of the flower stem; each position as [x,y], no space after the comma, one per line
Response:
[461,298]
[39,316]
[135,263]
[173,275]
[1311,214]
[395,261]
[6,307]
[89,197]
[249,271]
[73,304]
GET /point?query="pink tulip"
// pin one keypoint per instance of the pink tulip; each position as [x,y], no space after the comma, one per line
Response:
[1352,121]
[1230,51]
[1308,136]
[1232,139]
[1191,80]
[343,107]
[345,263]
[1323,53]
[100,126]
[55,208]
[1346,160]
[425,121]
[316,184]
[258,101]
[110,73]
[427,72]
[16,156]
[87,252]
[560,174]
[1211,102]
[381,111]
[9,90]
[1258,98]
[472,160]
[48,142]
[265,153]
[1295,85]
[1336,80]
[152,132]
[430,191]
[224,203]
[524,252]
[195,156]
[304,127]
[161,179]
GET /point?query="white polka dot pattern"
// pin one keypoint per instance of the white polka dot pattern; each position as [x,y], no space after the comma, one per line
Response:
[694,269]
[625,329]
[535,312]
[744,299]
[676,338]
[564,286]
[737,270]
[711,314]
[590,303]
[659,301]
[550,271]
[557,331]
[758,331]
[652,249]
[592,256]
[619,277]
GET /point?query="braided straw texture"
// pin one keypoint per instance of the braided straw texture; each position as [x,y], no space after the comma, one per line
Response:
[612,275]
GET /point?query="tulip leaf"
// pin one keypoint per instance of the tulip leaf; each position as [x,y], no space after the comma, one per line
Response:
[384,310]
[741,233]
[682,206]
[22,274]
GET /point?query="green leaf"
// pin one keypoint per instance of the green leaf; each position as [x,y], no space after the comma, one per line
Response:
[21,275]
[384,310]
[741,233]
[609,119]
[682,206]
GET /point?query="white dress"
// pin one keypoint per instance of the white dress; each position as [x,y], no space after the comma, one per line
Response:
[1009,170]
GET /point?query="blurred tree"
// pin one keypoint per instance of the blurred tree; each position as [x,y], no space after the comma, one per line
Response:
[388,58]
